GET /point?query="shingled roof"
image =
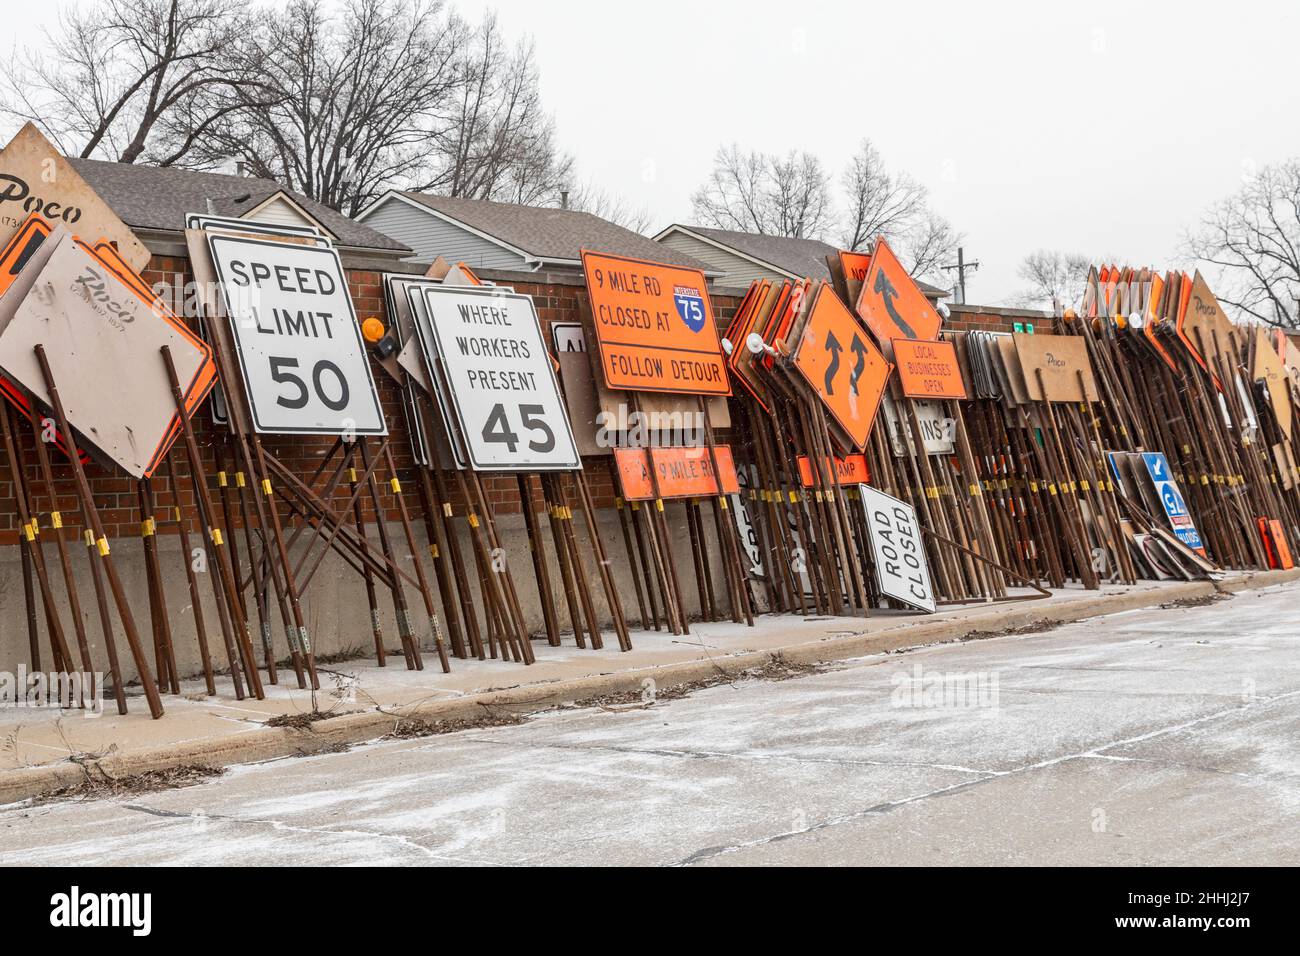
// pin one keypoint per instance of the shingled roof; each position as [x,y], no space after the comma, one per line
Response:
[548,234]
[159,198]
[805,258]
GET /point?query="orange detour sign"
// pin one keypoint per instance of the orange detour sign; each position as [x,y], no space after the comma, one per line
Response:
[928,369]
[890,302]
[851,470]
[682,472]
[654,326]
[837,358]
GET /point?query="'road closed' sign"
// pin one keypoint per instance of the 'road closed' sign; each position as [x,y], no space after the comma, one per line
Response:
[899,552]
[496,367]
[300,347]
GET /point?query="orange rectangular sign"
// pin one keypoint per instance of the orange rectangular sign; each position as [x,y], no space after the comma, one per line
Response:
[890,302]
[836,356]
[856,265]
[681,472]
[654,326]
[851,470]
[928,369]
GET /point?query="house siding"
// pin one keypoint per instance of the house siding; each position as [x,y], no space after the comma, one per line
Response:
[280,213]
[739,271]
[430,237]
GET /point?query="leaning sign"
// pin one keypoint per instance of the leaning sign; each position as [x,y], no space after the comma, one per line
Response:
[901,568]
[488,346]
[300,348]
[35,178]
[654,326]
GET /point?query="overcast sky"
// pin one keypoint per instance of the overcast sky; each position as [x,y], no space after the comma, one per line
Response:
[1103,128]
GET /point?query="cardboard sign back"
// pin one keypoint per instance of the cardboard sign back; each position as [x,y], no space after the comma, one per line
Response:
[35,178]
[1268,368]
[103,345]
[1059,359]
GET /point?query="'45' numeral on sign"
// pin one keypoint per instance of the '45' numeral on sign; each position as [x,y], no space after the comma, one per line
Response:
[497,428]
[858,348]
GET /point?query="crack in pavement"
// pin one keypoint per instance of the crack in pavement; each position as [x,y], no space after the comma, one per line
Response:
[726,754]
[281,826]
[709,853]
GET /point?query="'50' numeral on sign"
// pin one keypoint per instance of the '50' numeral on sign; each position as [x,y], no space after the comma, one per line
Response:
[497,428]
[278,374]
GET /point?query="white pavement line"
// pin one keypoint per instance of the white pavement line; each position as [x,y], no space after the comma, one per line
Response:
[709,853]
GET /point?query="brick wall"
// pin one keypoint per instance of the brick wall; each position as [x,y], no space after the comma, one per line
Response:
[558,299]
[971,318]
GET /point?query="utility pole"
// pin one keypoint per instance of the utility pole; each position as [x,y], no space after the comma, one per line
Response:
[961,266]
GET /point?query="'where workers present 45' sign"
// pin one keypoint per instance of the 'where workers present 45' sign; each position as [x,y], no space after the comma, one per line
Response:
[654,326]
[305,365]
[485,347]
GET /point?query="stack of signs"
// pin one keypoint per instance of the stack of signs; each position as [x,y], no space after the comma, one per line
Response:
[484,352]
[38,189]
[837,358]
[305,366]
[102,330]
[902,571]
[1146,480]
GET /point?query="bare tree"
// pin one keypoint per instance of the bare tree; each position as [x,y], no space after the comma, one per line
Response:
[494,140]
[927,245]
[767,194]
[1253,237]
[589,197]
[113,79]
[349,99]
[1052,276]
[881,203]
[878,202]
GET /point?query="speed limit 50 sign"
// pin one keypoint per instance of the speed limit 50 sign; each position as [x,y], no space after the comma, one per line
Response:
[300,347]
[502,384]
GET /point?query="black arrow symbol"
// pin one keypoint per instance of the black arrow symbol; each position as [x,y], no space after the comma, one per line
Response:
[887,293]
[833,346]
[858,348]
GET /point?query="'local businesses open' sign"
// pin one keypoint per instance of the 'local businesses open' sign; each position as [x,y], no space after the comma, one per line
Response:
[300,348]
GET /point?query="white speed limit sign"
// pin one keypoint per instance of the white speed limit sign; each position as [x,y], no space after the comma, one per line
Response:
[495,364]
[300,347]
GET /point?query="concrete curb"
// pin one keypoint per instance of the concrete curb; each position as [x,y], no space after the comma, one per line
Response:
[274,742]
